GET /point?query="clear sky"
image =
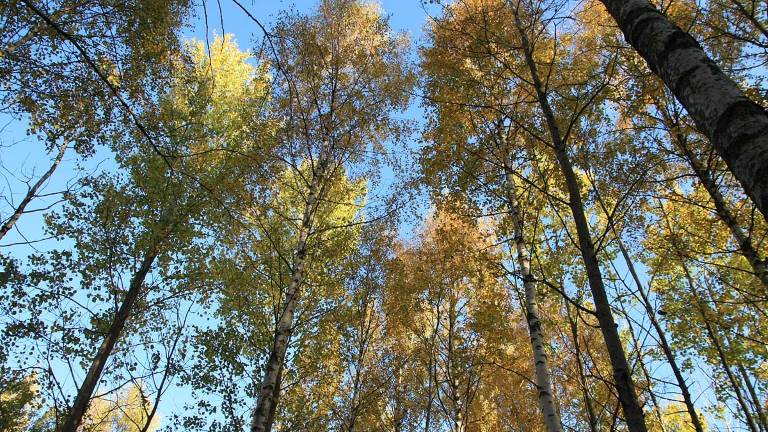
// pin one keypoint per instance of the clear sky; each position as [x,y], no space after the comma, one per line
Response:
[405,15]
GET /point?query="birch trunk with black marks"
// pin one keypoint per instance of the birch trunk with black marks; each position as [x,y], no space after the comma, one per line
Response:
[263,414]
[32,192]
[543,378]
[625,387]
[85,392]
[736,126]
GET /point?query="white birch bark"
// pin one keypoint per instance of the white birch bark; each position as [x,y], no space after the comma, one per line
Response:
[32,192]
[268,394]
[543,380]
[736,126]
[622,373]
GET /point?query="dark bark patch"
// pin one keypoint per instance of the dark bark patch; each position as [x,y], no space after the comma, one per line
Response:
[637,21]
[683,81]
[733,145]
[677,40]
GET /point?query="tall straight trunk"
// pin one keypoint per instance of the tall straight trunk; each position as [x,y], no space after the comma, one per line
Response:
[666,348]
[643,367]
[451,371]
[85,392]
[622,375]
[753,394]
[263,414]
[543,379]
[363,341]
[758,406]
[715,340]
[166,379]
[32,192]
[703,311]
[744,242]
[591,417]
[430,383]
[736,126]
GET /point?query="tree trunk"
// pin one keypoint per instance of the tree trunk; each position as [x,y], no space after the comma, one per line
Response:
[269,393]
[643,368]
[85,392]
[703,310]
[736,126]
[275,400]
[651,313]
[753,394]
[759,267]
[715,340]
[32,192]
[430,396]
[625,387]
[591,417]
[758,406]
[543,380]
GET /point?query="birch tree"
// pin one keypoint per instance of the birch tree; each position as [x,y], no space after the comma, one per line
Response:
[733,122]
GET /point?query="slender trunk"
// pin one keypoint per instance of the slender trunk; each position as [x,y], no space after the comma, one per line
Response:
[651,313]
[276,399]
[714,339]
[753,394]
[625,387]
[736,126]
[453,381]
[643,368]
[543,379]
[366,329]
[263,413]
[591,417]
[760,267]
[428,416]
[664,344]
[398,414]
[167,377]
[353,409]
[85,392]
[432,371]
[32,192]
[761,418]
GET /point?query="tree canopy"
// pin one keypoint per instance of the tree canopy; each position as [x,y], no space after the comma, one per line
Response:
[513,215]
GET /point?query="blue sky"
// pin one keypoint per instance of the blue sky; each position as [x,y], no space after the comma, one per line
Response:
[405,15]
